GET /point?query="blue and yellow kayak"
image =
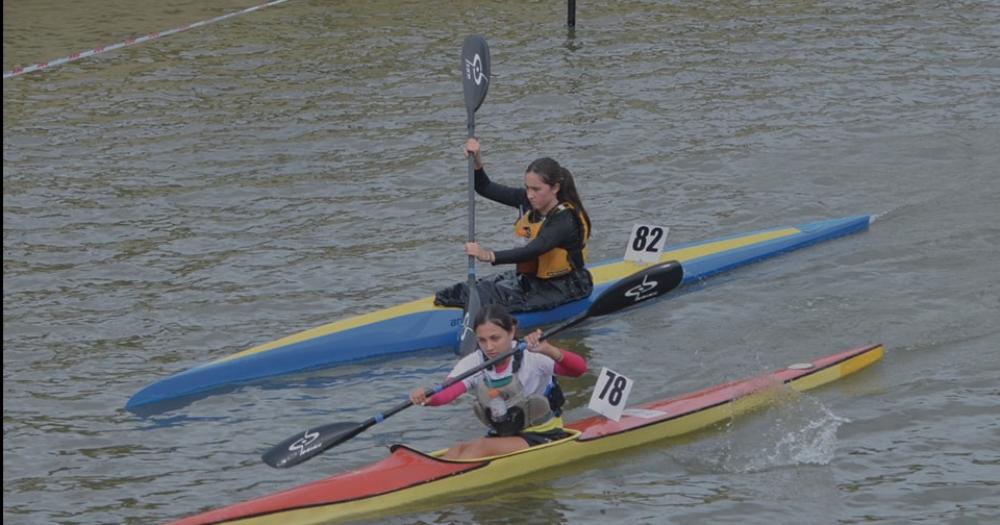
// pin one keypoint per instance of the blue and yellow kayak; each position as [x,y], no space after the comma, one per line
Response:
[419,324]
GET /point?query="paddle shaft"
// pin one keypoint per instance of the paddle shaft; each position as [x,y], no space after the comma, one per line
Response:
[596,309]
[467,339]
[475,84]
[634,289]
[627,292]
[286,454]
[378,418]
[472,210]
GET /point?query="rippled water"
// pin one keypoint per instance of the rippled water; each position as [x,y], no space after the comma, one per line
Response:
[184,199]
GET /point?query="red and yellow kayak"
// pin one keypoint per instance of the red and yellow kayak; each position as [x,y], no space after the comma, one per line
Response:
[408,475]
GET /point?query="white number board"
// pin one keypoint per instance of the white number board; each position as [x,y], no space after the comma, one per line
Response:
[610,394]
[646,243]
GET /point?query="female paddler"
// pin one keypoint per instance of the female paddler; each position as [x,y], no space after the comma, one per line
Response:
[553,227]
[518,399]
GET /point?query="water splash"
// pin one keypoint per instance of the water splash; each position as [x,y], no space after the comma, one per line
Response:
[877,216]
[801,431]
[815,444]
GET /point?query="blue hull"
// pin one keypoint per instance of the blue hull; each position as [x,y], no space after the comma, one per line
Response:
[420,325]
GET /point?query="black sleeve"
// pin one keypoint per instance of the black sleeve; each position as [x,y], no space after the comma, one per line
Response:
[559,230]
[515,197]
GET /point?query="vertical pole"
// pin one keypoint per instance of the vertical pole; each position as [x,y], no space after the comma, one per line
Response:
[571,14]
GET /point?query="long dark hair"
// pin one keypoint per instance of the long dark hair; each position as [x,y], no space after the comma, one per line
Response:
[552,173]
[495,314]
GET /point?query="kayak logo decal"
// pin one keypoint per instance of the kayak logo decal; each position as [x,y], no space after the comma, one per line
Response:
[643,290]
[305,443]
[474,70]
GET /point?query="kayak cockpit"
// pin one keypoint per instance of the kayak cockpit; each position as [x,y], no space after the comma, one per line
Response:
[436,455]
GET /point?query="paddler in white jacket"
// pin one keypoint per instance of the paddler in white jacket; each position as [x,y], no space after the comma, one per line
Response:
[518,400]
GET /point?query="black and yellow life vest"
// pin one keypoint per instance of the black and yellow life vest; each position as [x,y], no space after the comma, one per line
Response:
[557,261]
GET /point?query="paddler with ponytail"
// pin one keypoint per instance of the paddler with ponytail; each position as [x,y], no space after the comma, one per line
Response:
[554,228]
[518,399]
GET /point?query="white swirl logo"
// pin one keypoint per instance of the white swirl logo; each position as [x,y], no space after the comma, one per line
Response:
[302,445]
[643,290]
[474,70]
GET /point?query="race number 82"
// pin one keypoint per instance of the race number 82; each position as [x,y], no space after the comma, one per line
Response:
[646,243]
[610,394]
[647,238]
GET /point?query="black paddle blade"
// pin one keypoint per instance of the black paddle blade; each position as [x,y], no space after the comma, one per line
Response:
[638,287]
[475,71]
[312,442]
[467,339]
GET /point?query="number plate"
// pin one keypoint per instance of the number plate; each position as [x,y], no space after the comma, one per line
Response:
[646,243]
[610,394]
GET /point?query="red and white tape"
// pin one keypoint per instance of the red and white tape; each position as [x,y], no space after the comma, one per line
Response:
[131,42]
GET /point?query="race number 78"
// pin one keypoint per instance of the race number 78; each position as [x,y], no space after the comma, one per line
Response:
[617,390]
[610,394]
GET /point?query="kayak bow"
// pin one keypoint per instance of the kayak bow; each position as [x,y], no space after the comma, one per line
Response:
[408,475]
[419,324]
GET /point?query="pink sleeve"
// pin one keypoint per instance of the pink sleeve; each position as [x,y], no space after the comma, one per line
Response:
[447,395]
[572,365]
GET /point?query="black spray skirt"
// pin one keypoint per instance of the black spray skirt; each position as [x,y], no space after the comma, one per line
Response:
[521,292]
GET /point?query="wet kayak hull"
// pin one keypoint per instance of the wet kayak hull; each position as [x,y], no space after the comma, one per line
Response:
[420,325]
[408,476]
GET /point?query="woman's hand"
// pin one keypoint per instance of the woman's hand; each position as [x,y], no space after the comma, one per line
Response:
[472,148]
[473,249]
[418,397]
[535,344]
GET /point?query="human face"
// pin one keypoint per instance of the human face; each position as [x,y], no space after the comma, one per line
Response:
[541,195]
[493,339]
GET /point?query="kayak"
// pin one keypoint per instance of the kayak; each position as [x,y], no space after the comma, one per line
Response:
[408,475]
[420,325]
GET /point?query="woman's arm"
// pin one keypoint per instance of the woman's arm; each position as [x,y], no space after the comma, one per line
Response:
[443,397]
[571,365]
[493,191]
[559,230]
[515,197]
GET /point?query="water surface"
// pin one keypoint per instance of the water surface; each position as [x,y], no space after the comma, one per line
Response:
[184,199]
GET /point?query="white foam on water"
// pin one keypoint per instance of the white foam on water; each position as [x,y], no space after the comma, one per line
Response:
[804,432]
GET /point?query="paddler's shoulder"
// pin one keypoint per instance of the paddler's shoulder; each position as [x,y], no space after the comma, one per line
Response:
[467,362]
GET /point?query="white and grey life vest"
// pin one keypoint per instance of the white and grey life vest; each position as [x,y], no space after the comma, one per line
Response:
[523,410]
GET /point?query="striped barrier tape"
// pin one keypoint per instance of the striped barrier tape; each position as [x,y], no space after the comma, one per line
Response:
[131,42]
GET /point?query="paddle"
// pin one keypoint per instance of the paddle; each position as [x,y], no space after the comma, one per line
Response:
[475,84]
[636,288]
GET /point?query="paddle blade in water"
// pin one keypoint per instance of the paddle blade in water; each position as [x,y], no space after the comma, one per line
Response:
[639,287]
[475,71]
